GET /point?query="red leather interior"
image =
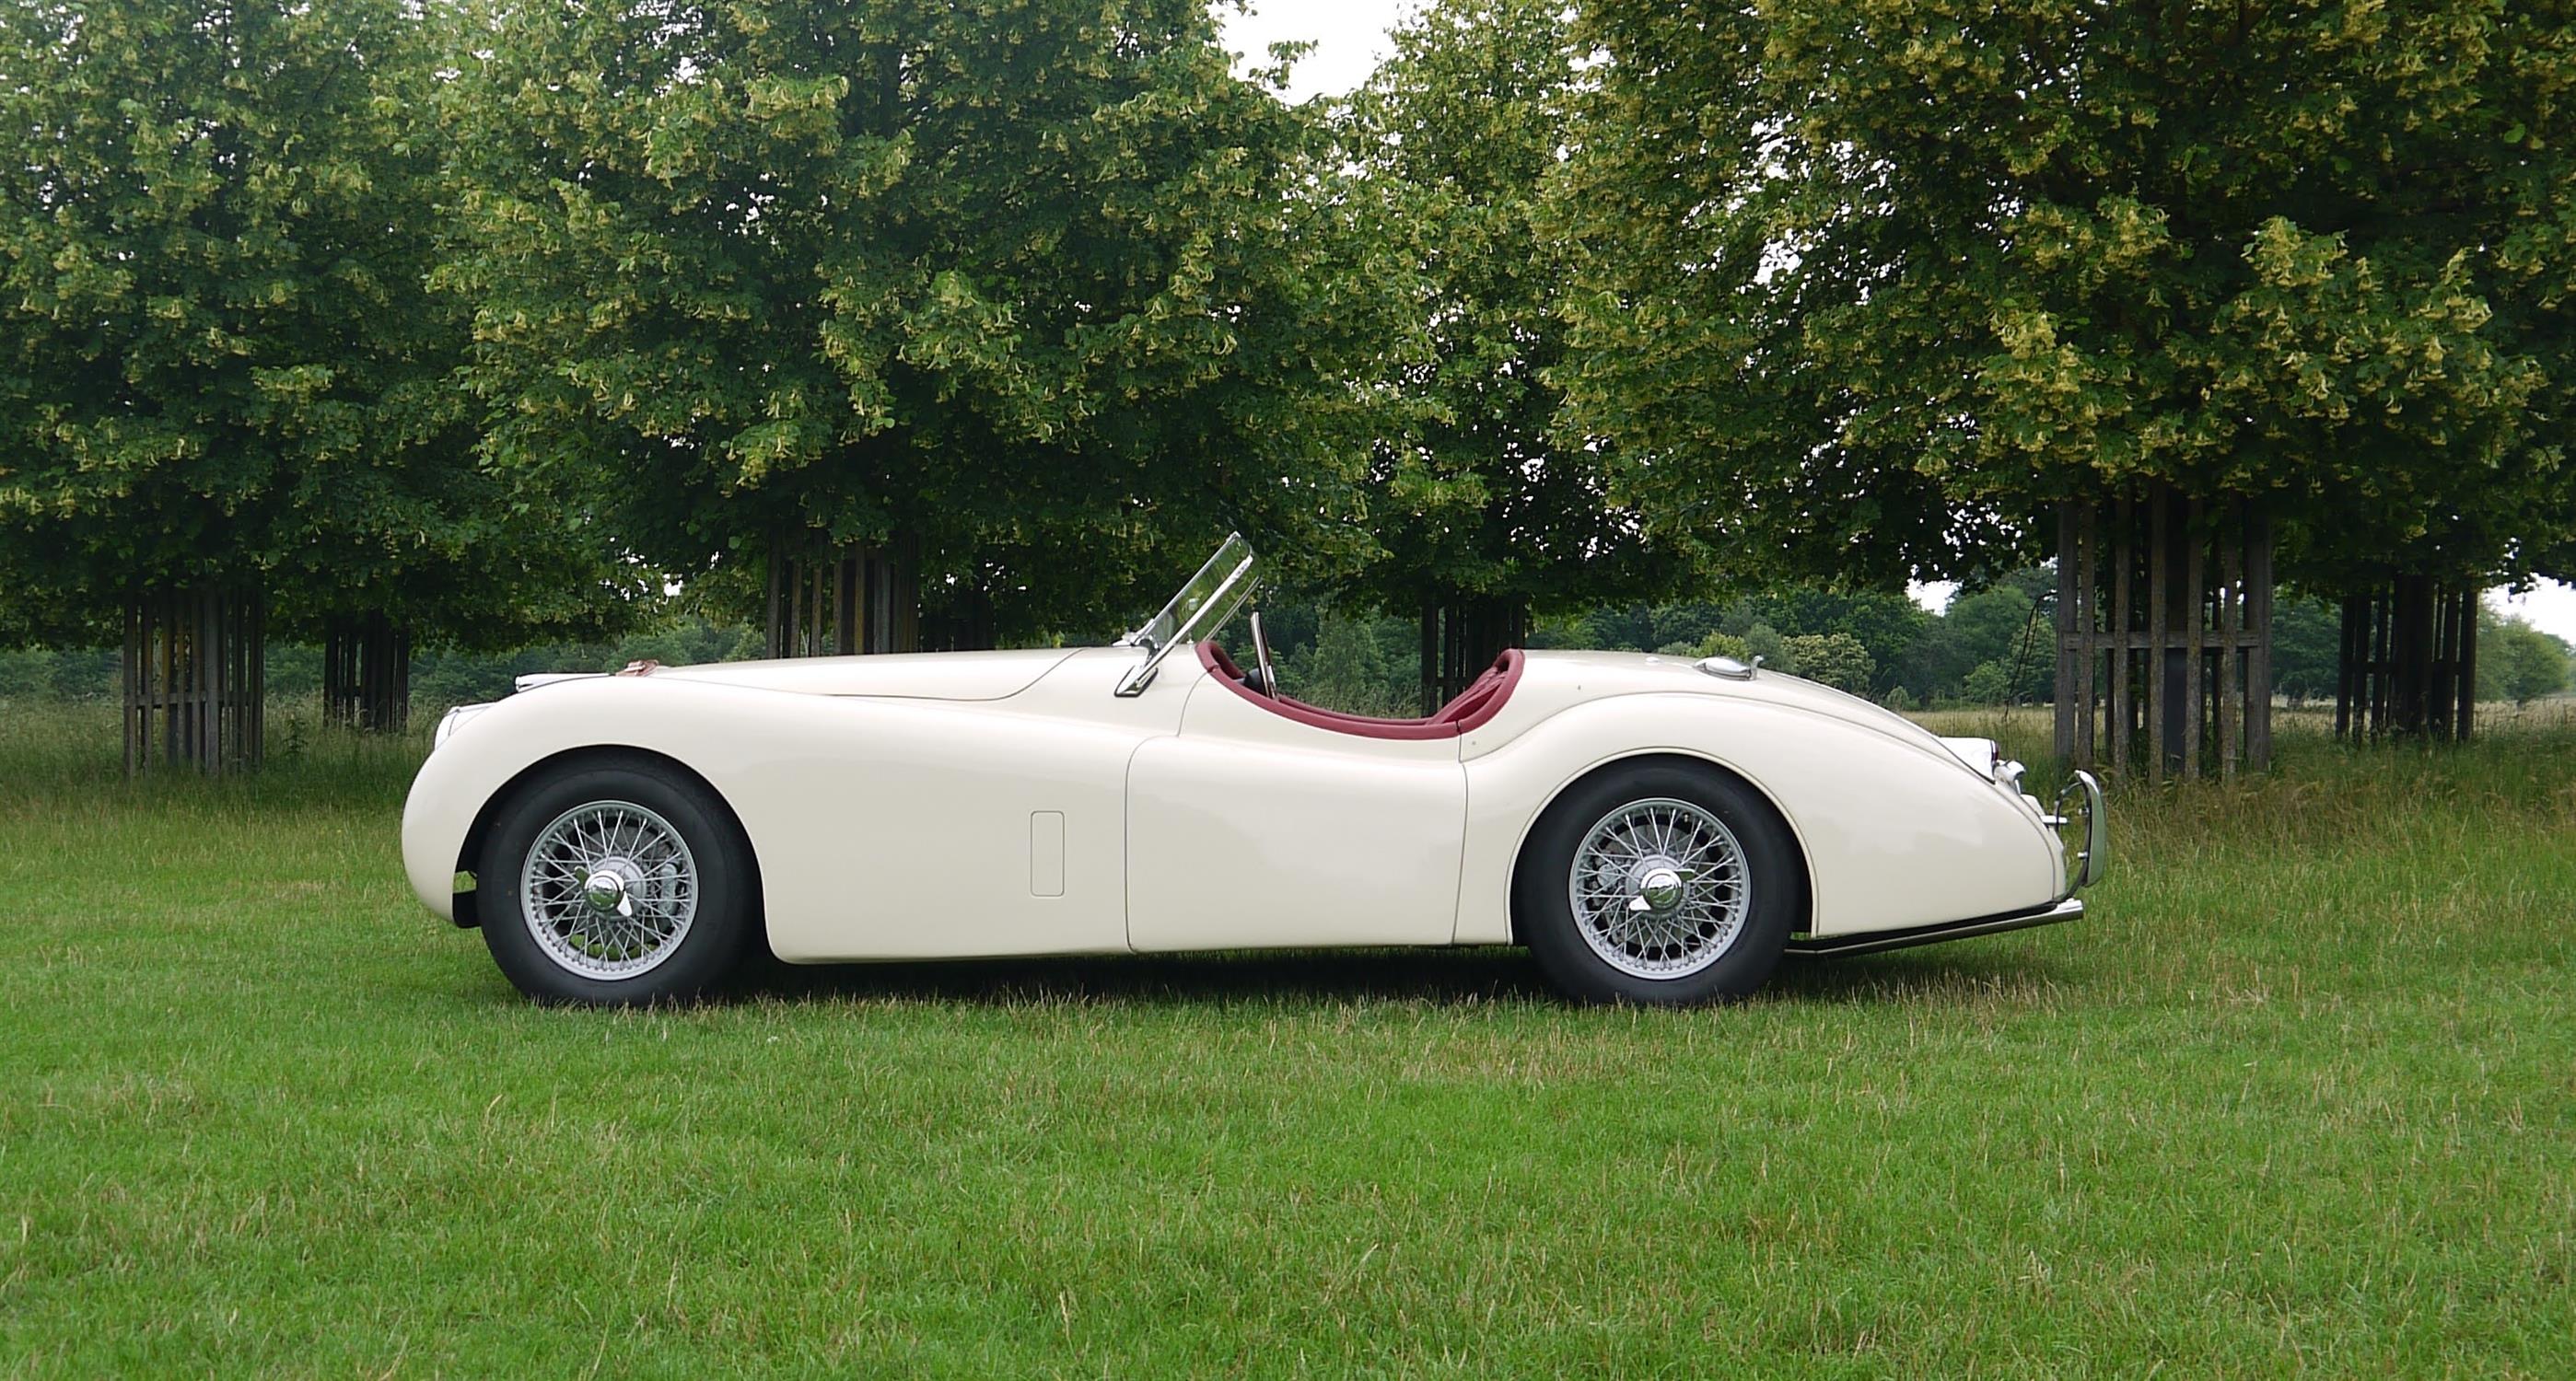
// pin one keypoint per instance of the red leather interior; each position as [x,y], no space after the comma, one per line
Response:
[1470,709]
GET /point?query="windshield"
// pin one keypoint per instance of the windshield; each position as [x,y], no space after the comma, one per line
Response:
[1206,600]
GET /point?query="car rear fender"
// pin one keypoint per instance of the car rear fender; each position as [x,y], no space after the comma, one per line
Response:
[1895,832]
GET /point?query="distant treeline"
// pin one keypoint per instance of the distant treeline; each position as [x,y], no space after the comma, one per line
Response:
[1987,647]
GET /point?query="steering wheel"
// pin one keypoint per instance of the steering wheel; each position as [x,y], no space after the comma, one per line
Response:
[1261,657]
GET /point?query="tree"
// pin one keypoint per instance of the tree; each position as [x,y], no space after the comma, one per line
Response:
[2304,648]
[1485,510]
[1991,643]
[1834,659]
[1885,623]
[221,381]
[1988,683]
[1350,670]
[1870,287]
[1614,626]
[2521,663]
[2002,628]
[1030,296]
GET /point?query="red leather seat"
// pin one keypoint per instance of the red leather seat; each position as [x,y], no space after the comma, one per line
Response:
[1470,708]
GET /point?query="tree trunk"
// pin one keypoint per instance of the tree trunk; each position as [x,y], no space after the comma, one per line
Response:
[2182,614]
[960,622]
[366,673]
[195,678]
[2407,664]
[2352,667]
[2411,645]
[2466,674]
[1463,637]
[859,599]
[2164,636]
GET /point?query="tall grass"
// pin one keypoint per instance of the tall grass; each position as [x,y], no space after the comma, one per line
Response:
[70,751]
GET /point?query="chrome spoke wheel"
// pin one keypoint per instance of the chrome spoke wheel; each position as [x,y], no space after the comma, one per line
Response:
[609,889]
[1659,888]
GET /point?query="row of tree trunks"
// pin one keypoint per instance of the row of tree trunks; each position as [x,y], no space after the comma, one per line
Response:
[962,621]
[2408,662]
[1463,637]
[861,599]
[195,678]
[366,673]
[2164,636]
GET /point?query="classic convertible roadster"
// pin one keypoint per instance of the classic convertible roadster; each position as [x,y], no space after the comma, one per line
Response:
[1654,829]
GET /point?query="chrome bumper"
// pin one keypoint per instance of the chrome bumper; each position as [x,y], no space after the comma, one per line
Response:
[2083,831]
[2089,848]
[1835,946]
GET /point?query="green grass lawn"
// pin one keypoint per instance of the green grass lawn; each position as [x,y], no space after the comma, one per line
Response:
[2299,1096]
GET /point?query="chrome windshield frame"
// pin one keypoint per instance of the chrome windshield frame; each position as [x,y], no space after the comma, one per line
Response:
[1203,604]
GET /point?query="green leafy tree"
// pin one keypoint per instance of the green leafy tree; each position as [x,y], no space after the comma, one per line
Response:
[1870,286]
[1725,645]
[1486,511]
[1037,289]
[2001,626]
[1996,627]
[1763,641]
[1354,668]
[1886,624]
[1988,683]
[2306,645]
[219,366]
[1690,620]
[196,289]
[1617,627]
[2518,662]
[1834,659]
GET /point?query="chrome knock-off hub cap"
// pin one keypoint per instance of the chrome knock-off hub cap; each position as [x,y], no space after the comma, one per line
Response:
[605,890]
[609,889]
[1659,888]
[1660,891]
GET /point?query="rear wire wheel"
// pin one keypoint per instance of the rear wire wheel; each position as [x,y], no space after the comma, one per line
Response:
[1660,881]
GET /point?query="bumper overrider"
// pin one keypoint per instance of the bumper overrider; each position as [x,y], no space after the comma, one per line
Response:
[2084,832]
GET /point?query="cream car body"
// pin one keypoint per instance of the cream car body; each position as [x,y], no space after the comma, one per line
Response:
[1057,802]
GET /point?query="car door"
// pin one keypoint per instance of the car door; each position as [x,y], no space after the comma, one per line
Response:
[1249,829]
[894,827]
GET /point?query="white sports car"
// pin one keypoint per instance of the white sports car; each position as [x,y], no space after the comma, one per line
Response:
[1654,829]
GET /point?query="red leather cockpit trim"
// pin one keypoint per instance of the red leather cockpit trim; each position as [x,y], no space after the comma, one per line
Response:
[1472,708]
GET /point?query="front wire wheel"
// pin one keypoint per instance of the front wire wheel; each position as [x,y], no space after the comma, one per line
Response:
[1660,881]
[609,889]
[616,880]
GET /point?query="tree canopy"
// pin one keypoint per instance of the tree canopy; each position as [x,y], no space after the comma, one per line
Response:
[1031,283]
[218,361]
[1476,490]
[1869,285]
[495,317]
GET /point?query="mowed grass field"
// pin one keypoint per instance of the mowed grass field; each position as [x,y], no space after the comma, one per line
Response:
[2299,1097]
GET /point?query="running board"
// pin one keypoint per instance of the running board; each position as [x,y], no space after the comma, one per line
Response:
[1839,946]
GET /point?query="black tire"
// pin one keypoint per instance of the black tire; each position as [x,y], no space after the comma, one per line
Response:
[726,905]
[1544,913]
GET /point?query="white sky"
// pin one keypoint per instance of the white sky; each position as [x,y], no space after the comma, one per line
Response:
[1350,38]
[2550,608]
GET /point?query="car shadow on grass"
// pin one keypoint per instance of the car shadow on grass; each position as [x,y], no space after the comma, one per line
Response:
[1457,977]
[1437,977]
